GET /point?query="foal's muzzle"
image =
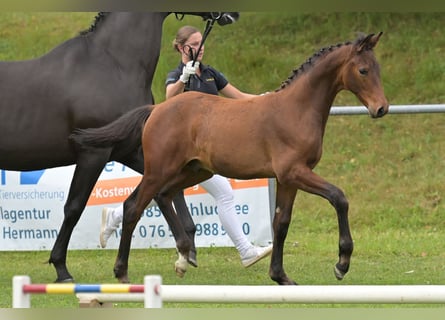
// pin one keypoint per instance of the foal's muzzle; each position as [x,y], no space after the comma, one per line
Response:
[381,112]
[378,112]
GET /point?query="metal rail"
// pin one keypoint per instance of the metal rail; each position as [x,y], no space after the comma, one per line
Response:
[398,109]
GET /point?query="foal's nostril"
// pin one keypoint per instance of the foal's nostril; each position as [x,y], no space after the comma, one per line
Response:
[381,112]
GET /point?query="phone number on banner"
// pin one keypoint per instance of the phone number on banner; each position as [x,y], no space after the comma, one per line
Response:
[202,230]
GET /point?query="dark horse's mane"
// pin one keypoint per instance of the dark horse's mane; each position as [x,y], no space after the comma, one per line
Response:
[310,62]
[99,17]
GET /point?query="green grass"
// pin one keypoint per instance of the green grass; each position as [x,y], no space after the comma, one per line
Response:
[390,257]
[391,169]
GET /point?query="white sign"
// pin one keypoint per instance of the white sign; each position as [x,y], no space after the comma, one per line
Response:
[31,211]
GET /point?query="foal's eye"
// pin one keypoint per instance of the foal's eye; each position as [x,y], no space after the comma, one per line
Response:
[363,71]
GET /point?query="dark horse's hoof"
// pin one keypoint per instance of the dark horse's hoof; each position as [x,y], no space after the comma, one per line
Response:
[67,280]
[284,281]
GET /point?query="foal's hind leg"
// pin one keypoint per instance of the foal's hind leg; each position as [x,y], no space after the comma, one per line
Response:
[189,176]
[135,161]
[133,207]
[183,242]
[88,168]
[188,223]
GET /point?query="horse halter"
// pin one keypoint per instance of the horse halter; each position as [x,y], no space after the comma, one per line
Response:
[207,30]
[223,18]
[226,17]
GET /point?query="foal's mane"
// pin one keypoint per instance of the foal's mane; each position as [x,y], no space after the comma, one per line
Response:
[99,17]
[309,63]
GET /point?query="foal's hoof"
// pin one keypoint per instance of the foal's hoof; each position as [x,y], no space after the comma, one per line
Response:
[339,273]
[181,267]
[192,259]
[180,272]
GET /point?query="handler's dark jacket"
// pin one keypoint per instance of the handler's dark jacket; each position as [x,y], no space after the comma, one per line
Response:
[211,81]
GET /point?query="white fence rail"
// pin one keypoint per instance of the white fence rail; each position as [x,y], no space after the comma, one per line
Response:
[397,109]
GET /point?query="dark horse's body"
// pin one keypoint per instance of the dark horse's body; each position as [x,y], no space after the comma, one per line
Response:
[87,81]
[278,135]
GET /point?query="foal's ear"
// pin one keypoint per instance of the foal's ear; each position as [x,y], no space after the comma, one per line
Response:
[368,42]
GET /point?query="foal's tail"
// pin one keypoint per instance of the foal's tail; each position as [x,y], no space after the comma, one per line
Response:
[125,132]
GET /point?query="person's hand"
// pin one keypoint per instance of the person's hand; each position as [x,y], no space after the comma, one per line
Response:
[188,70]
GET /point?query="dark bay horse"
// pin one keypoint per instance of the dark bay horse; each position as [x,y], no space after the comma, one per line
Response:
[87,81]
[278,135]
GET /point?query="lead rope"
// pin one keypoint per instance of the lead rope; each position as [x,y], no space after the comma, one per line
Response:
[207,30]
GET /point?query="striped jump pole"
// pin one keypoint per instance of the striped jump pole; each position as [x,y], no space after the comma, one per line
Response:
[23,289]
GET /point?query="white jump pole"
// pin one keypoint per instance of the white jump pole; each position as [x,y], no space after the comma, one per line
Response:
[306,294]
[333,294]
[303,294]
[20,299]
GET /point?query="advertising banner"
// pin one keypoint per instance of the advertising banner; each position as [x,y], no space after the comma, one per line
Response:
[31,211]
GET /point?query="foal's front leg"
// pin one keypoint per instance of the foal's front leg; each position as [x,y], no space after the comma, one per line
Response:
[312,183]
[283,213]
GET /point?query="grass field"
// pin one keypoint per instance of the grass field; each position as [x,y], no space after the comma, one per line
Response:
[391,169]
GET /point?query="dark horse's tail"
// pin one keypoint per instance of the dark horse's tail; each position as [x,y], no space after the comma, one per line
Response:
[125,133]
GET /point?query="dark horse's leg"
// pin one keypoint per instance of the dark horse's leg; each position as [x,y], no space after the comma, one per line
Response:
[88,168]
